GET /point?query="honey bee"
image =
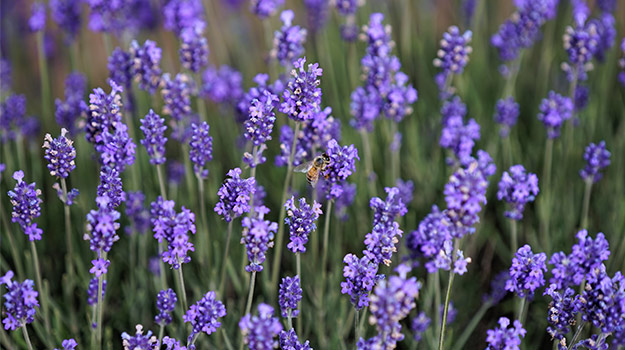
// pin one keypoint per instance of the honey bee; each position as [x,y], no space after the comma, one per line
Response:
[314,168]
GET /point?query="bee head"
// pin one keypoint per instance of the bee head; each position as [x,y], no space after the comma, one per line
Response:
[325,157]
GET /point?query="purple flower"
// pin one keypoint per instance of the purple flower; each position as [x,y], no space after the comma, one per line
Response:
[60,154]
[145,65]
[342,165]
[454,52]
[258,93]
[465,193]
[360,277]
[12,116]
[259,331]
[399,99]
[606,31]
[116,148]
[26,206]
[526,272]
[179,15]
[378,65]
[69,113]
[194,48]
[288,42]
[67,14]
[120,68]
[419,325]
[175,172]
[139,340]
[602,302]
[68,344]
[20,302]
[265,8]
[517,188]
[380,242]
[201,148]
[153,128]
[554,110]
[597,157]
[505,338]
[348,194]
[580,45]
[405,190]
[5,75]
[204,315]
[92,291]
[172,344]
[102,226]
[289,341]
[386,211]
[111,187]
[429,239]
[587,256]
[301,222]
[391,302]
[506,114]
[165,302]
[316,13]
[259,125]
[365,107]
[234,195]
[173,228]
[451,312]
[290,294]
[222,85]
[177,95]
[37,20]
[257,237]
[497,288]
[458,136]
[563,309]
[302,97]
[137,214]
[100,267]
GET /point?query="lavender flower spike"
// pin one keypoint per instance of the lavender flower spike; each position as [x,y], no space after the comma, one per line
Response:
[201,148]
[20,302]
[259,331]
[302,97]
[257,236]
[554,110]
[360,277]
[153,127]
[526,272]
[60,154]
[597,157]
[290,295]
[517,188]
[139,340]
[343,164]
[165,302]
[145,65]
[26,206]
[301,222]
[504,338]
[288,42]
[453,55]
[265,8]
[234,195]
[204,315]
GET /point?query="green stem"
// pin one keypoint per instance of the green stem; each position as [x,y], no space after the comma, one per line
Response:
[441,338]
[44,295]
[100,308]
[587,191]
[514,240]
[16,256]
[68,232]
[226,339]
[206,239]
[298,269]
[225,260]
[468,330]
[368,162]
[578,332]
[162,266]
[161,332]
[46,105]
[521,311]
[182,289]
[289,319]
[26,337]
[356,327]
[324,252]
[275,268]
[437,301]
[546,188]
[250,297]
[161,181]
[394,154]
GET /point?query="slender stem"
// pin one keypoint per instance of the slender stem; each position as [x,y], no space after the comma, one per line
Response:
[356,327]
[200,183]
[441,338]
[68,231]
[468,330]
[162,266]
[182,289]
[521,311]
[44,295]
[26,337]
[16,256]
[364,135]
[100,307]
[275,268]
[161,181]
[289,319]
[250,294]
[225,260]
[161,331]
[514,241]
[46,105]
[437,301]
[226,339]
[547,163]
[586,206]
[578,332]
[324,252]
[298,269]
[546,189]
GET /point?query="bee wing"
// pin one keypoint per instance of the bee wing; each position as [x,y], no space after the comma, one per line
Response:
[303,168]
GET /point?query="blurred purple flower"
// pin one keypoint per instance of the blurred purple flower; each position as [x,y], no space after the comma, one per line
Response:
[506,114]
[92,291]
[288,42]
[5,75]
[194,48]
[265,8]
[259,331]
[179,15]
[497,288]
[201,148]
[597,157]
[12,117]
[145,65]
[177,95]
[505,338]
[580,44]
[68,344]
[517,188]
[554,111]
[139,340]
[37,20]
[20,302]
[67,14]
[454,51]
[153,127]
[222,85]
[137,213]
[465,193]
[419,325]
[459,137]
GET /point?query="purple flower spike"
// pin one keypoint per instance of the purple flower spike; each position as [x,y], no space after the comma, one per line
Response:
[365,107]
[465,193]
[201,148]
[145,65]
[20,302]
[259,124]
[153,127]
[177,95]
[419,325]
[234,195]
[111,187]
[102,226]
[92,291]
[257,237]
[563,310]
[342,165]
[580,45]
[302,97]
[265,8]
[454,53]
[517,188]
[68,344]
[391,302]
[380,242]
[360,277]
[289,341]
[204,315]
[119,66]
[259,332]
[67,14]
[100,267]
[301,222]
[506,114]
[179,15]
[429,238]
[385,212]
[597,157]
[504,338]
[194,48]
[26,206]
[222,85]
[60,154]
[554,110]
[139,340]
[174,228]
[526,272]
[165,302]
[37,20]
[602,301]
[458,136]
[288,42]
[290,295]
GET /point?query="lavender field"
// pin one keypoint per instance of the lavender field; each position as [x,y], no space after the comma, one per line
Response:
[312,174]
